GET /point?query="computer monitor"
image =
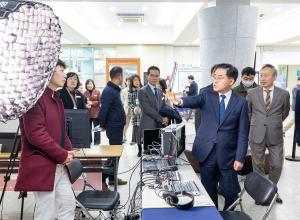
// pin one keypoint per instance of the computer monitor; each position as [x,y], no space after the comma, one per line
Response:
[78,127]
[173,140]
[7,140]
[151,141]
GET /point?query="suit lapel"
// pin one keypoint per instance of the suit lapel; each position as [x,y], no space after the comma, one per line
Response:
[275,95]
[230,106]
[154,100]
[215,102]
[260,96]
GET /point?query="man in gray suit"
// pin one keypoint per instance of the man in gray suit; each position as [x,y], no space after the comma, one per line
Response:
[268,108]
[151,100]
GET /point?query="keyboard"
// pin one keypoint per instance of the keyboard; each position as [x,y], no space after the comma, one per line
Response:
[188,186]
[159,164]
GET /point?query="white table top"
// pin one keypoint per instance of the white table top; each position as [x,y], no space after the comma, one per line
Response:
[151,200]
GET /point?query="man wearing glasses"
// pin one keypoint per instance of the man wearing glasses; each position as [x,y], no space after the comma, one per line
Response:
[222,138]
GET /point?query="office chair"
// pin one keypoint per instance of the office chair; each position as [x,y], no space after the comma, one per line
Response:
[262,190]
[91,200]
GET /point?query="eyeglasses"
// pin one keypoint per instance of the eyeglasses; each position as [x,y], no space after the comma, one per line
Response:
[218,78]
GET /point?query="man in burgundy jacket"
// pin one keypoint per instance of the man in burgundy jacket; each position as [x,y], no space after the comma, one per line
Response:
[46,148]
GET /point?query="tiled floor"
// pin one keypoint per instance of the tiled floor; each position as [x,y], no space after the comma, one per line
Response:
[289,186]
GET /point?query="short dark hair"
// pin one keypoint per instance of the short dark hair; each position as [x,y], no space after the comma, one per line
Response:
[298,78]
[71,74]
[248,71]
[191,77]
[232,71]
[87,82]
[152,68]
[163,85]
[213,69]
[274,70]
[115,72]
[61,63]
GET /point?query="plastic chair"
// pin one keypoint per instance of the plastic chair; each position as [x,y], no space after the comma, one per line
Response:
[91,200]
[262,190]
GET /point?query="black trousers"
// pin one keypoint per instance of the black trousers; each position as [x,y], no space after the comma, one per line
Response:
[97,136]
[212,174]
[115,137]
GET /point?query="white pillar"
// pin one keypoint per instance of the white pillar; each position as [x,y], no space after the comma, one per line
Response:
[227,34]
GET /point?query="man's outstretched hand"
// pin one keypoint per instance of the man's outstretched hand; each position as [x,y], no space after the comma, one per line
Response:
[172,97]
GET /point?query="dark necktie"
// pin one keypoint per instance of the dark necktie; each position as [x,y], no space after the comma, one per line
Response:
[222,108]
[268,99]
[155,92]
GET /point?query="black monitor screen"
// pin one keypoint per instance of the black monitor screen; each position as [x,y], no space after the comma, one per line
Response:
[152,141]
[78,127]
[7,141]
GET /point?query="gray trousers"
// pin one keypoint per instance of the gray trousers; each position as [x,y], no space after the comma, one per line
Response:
[276,154]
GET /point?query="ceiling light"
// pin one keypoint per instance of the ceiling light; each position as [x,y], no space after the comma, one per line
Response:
[112,8]
[145,8]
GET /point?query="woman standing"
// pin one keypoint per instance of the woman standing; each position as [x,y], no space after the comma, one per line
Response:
[93,95]
[124,98]
[133,102]
[71,97]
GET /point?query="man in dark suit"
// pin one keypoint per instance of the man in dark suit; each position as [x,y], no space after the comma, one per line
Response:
[151,100]
[192,91]
[222,139]
[297,116]
[112,116]
[247,81]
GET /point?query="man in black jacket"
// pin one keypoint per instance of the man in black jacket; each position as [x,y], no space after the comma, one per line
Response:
[297,117]
[247,81]
[112,116]
[193,91]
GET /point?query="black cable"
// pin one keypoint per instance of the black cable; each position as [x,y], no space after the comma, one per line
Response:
[123,206]
[130,168]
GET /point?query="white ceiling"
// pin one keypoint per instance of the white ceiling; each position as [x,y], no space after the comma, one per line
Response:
[173,23]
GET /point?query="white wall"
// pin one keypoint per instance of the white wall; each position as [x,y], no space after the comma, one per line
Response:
[149,55]
[160,55]
[277,55]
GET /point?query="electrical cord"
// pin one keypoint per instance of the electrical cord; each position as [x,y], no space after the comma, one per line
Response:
[124,205]
[130,168]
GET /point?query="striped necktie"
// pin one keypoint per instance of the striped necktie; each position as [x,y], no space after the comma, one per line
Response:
[268,99]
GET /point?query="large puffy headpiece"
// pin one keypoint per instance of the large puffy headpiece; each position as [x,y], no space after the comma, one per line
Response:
[29,49]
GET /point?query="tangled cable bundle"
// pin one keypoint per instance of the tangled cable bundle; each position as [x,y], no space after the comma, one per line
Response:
[29,49]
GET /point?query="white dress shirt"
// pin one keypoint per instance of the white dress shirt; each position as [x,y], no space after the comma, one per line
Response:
[271,93]
[152,88]
[226,100]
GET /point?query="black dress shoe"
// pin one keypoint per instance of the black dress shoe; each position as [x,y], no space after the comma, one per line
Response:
[279,200]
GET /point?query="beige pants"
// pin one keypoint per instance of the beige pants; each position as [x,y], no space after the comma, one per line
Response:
[59,203]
